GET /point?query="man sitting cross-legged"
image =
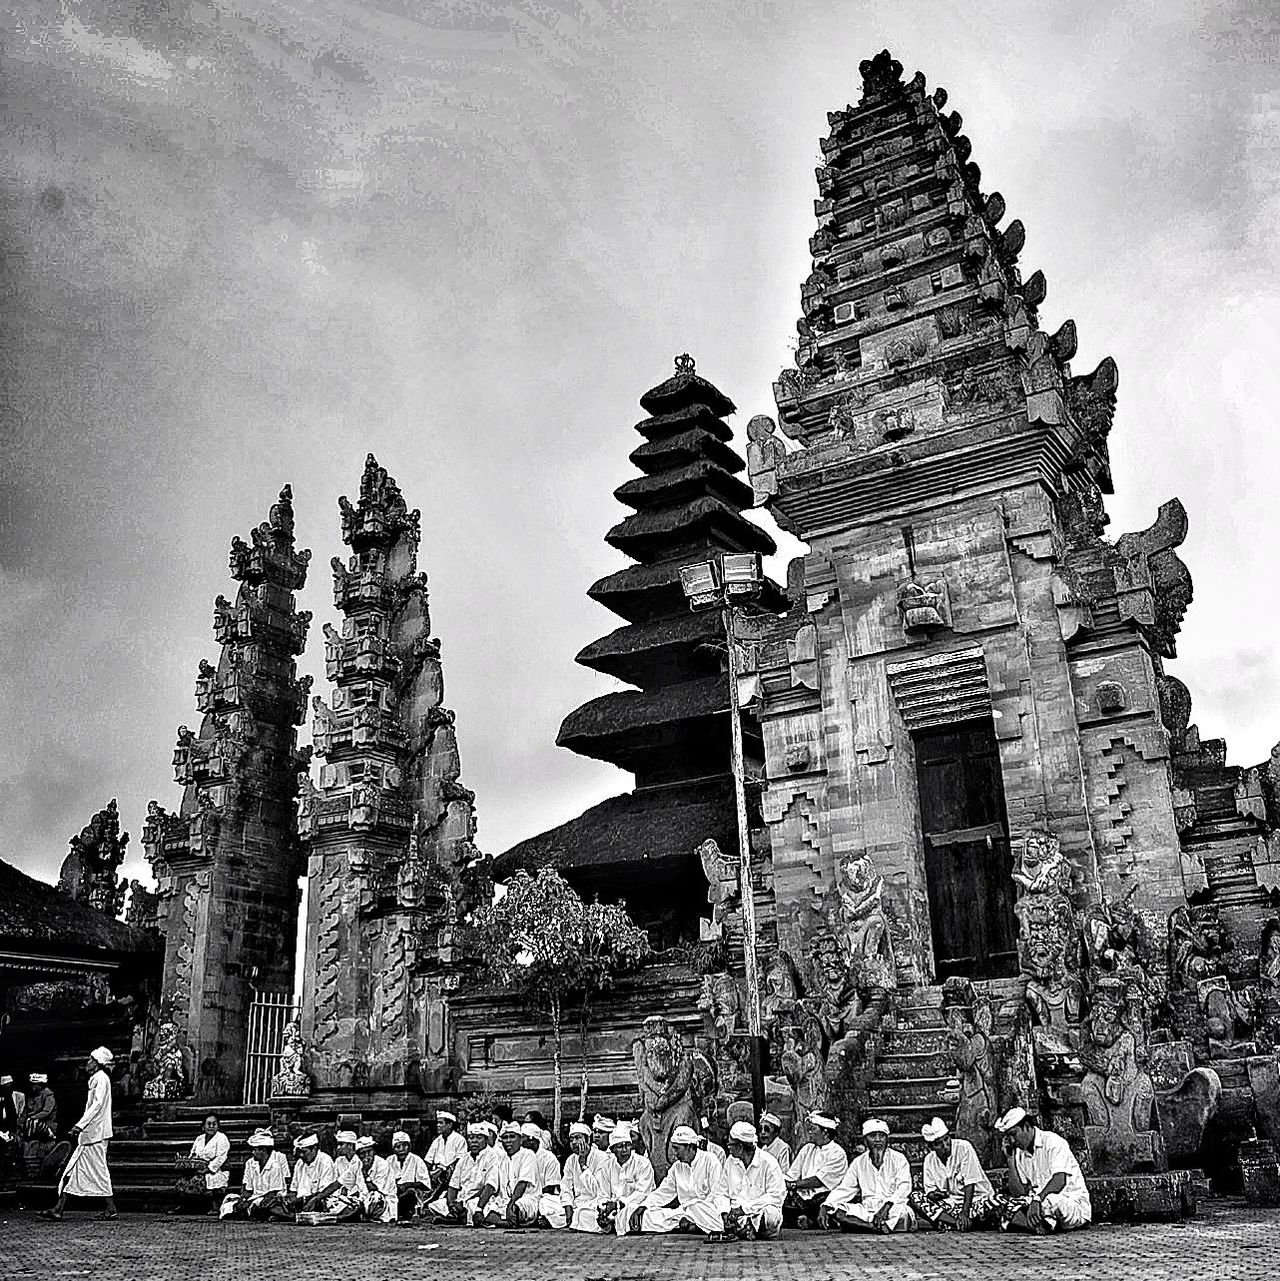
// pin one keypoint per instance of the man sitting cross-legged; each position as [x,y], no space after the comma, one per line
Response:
[446,1150]
[692,1198]
[756,1187]
[628,1181]
[873,1195]
[817,1169]
[1046,1191]
[583,1180]
[413,1178]
[381,1198]
[314,1177]
[480,1195]
[346,1199]
[957,1193]
[517,1202]
[266,1182]
[448,1206]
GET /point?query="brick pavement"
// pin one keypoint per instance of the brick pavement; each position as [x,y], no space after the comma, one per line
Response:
[1227,1243]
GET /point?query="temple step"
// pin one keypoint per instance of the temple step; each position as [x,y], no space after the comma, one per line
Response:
[885,1092]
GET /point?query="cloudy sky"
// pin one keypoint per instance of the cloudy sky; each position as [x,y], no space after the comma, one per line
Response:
[245,243]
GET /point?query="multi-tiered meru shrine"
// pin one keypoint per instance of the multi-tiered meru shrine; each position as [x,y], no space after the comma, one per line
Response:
[994,861]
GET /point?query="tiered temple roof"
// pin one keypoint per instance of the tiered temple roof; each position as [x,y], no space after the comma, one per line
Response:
[920,336]
[671,731]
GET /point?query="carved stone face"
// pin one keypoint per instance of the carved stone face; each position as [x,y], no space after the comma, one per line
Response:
[1105,1018]
[828,965]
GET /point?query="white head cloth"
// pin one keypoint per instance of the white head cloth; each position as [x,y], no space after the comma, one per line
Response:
[8,1080]
[530,1131]
[744,1132]
[363,1142]
[399,1137]
[511,1128]
[442,1115]
[603,1123]
[771,1118]
[684,1134]
[1014,1116]
[346,1136]
[934,1130]
[873,1125]
[261,1138]
[489,1128]
[823,1121]
[579,1127]
[102,1056]
[620,1134]
[307,1141]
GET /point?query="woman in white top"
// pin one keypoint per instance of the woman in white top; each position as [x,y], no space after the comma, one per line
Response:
[208,1164]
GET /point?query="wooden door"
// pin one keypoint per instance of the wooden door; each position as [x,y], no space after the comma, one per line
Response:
[966,849]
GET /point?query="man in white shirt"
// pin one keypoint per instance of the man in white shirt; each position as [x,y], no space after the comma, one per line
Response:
[481,1192]
[1046,1189]
[347,1199]
[756,1186]
[582,1181]
[517,1203]
[957,1193]
[771,1140]
[551,1211]
[817,1169]
[629,1180]
[693,1195]
[313,1176]
[873,1196]
[381,1199]
[413,1178]
[266,1182]
[86,1173]
[446,1150]
[447,1207]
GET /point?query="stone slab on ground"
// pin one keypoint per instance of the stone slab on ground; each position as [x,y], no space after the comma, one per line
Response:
[1228,1242]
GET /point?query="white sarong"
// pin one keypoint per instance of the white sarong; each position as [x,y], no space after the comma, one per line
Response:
[86,1173]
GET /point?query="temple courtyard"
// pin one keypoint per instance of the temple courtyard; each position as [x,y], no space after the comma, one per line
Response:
[1226,1242]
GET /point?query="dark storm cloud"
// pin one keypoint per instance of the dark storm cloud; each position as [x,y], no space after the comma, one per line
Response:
[246,243]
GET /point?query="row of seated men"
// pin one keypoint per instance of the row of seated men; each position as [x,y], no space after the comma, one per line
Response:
[510,1177]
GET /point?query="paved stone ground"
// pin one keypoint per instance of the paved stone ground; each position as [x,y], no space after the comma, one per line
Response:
[1226,1243]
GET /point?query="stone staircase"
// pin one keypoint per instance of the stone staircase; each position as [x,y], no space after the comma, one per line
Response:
[913,1071]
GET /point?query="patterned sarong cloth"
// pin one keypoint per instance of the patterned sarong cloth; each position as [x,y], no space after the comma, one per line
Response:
[983,1213]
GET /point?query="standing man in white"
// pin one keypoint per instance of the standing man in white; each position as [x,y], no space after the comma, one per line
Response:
[86,1173]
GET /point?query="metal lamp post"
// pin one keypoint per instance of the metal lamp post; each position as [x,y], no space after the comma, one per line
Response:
[718,584]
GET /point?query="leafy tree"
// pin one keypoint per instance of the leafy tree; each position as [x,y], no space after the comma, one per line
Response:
[543,940]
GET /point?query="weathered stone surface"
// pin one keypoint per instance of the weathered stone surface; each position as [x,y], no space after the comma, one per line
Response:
[1185,1113]
[392,864]
[227,863]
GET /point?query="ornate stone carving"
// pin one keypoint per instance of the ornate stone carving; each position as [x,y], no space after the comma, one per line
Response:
[1048,943]
[722,884]
[765,451]
[861,892]
[1117,1090]
[924,607]
[90,870]
[291,1081]
[969,1020]
[674,1085]
[166,1070]
[1153,586]
[1195,945]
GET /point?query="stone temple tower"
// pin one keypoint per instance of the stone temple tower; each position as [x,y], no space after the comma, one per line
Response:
[227,864]
[392,864]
